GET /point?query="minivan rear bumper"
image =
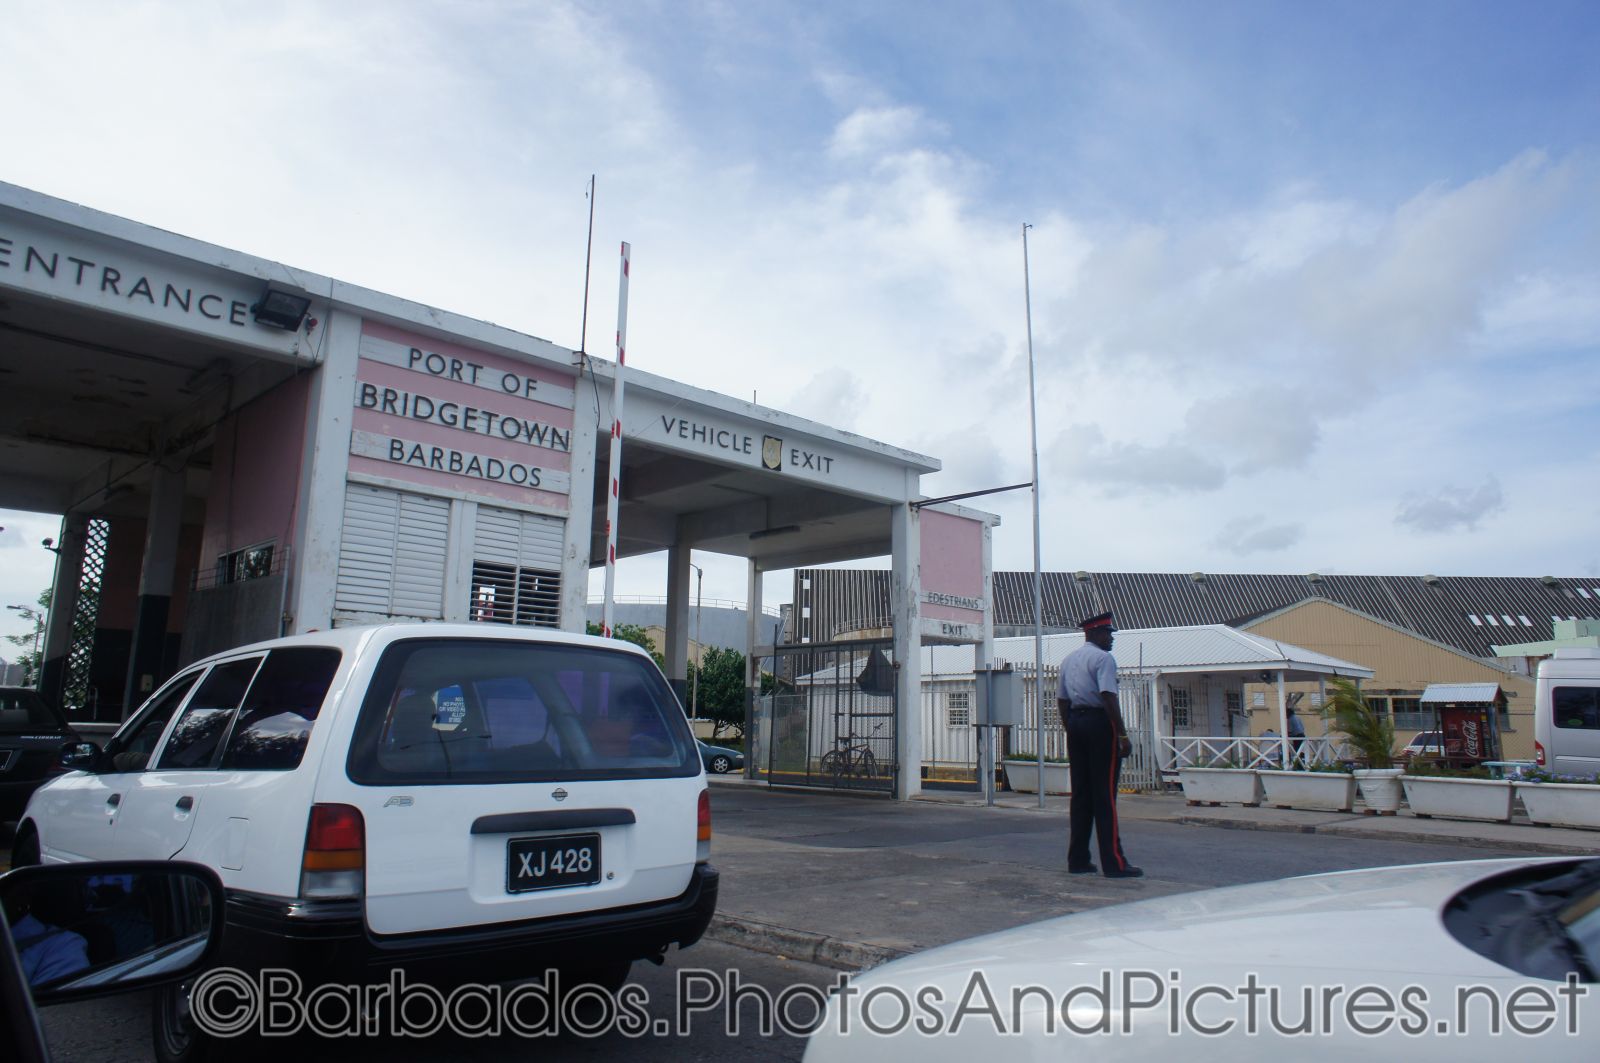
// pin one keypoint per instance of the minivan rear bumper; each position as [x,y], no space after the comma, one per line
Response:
[331,939]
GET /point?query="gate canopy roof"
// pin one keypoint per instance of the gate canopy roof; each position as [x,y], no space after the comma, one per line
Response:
[1208,648]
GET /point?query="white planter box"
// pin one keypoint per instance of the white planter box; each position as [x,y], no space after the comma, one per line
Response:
[1484,799]
[1322,790]
[1231,785]
[1023,777]
[1380,788]
[1561,804]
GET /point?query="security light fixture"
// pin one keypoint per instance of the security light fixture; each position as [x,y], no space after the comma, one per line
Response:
[767,533]
[281,309]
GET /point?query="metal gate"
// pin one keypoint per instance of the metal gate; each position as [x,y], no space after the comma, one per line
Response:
[830,718]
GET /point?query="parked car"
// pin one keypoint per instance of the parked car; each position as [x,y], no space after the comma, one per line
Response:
[719,759]
[1566,721]
[64,936]
[1320,962]
[1423,744]
[32,738]
[460,801]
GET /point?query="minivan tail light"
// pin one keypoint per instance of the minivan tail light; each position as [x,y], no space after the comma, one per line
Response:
[702,848]
[335,859]
[1538,753]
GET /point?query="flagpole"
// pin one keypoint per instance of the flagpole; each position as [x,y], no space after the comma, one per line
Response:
[1038,578]
[614,495]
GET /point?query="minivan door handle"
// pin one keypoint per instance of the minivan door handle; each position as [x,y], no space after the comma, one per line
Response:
[185,803]
[113,801]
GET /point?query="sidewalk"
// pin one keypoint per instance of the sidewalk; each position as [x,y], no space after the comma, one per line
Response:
[1519,835]
[850,882]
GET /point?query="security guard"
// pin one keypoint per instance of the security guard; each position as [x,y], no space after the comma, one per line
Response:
[1096,744]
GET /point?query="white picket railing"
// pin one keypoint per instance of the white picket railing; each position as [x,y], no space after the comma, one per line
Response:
[1225,751]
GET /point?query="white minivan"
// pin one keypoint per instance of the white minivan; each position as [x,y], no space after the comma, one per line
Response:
[1566,727]
[463,802]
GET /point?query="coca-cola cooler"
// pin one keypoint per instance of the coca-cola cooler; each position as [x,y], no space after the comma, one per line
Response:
[1470,732]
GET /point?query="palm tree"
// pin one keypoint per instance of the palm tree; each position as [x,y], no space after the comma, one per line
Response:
[1370,732]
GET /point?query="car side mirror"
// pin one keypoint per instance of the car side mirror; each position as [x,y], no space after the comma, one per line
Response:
[80,756]
[93,929]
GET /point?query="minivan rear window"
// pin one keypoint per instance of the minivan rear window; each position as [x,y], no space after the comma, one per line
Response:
[493,710]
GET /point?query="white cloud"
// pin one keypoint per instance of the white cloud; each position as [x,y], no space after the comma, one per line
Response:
[1119,467]
[870,132]
[1451,508]
[1245,536]
[1277,355]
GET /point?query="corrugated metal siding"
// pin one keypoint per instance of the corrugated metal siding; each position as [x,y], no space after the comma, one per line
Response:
[1438,609]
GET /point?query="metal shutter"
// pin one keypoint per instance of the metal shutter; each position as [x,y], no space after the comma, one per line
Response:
[516,568]
[392,555]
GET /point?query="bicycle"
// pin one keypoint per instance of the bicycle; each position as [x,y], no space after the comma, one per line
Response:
[851,758]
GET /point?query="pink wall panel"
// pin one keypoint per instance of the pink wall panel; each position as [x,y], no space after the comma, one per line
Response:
[255,471]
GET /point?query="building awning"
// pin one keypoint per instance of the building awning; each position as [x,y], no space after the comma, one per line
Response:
[1203,648]
[1457,693]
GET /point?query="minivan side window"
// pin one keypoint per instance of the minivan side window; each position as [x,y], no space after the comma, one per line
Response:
[276,720]
[198,734]
[1576,708]
[130,749]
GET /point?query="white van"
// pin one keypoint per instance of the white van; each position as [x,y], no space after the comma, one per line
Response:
[462,802]
[1566,727]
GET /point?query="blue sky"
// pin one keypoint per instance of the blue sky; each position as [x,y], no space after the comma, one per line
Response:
[1315,286]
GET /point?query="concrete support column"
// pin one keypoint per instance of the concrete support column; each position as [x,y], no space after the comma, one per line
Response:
[63,603]
[752,679]
[324,466]
[147,658]
[679,591]
[905,591]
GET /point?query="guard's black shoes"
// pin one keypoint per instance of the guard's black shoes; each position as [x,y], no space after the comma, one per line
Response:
[1086,869]
[1128,872]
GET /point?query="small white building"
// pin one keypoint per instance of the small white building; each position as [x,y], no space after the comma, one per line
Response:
[1182,688]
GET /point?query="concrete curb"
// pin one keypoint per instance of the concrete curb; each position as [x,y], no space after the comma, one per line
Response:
[799,944]
[1341,830]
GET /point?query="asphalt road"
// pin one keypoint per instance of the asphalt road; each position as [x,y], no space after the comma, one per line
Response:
[906,876]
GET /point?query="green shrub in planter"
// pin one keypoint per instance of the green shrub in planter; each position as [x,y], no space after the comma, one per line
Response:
[1370,734]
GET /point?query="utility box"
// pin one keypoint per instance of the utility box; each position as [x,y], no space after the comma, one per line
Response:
[999,697]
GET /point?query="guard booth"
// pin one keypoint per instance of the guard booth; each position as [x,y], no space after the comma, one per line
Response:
[1467,716]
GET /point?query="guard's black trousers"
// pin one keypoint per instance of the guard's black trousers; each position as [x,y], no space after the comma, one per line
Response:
[1095,766]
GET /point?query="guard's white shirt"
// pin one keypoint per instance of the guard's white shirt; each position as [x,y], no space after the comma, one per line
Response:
[1087,671]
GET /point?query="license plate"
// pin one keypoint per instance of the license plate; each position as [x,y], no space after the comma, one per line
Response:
[550,863]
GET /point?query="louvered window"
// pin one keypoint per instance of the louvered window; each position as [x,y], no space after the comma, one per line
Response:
[516,568]
[392,554]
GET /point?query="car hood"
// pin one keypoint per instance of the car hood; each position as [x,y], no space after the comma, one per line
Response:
[1316,921]
[1351,928]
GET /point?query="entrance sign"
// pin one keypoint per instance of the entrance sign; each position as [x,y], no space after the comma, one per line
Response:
[478,424]
[138,282]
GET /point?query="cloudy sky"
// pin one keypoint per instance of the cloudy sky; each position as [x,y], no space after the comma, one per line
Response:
[1315,286]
